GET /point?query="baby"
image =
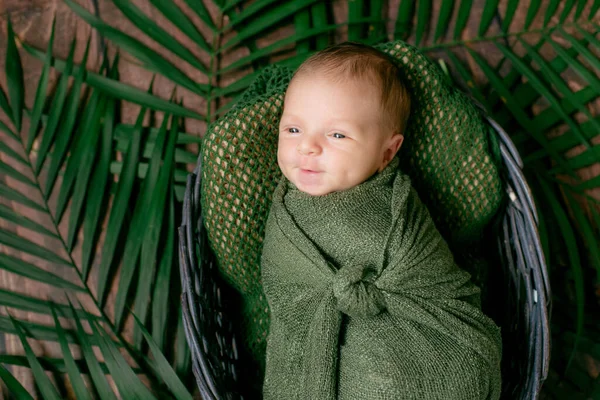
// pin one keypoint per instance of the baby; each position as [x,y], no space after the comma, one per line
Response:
[366,301]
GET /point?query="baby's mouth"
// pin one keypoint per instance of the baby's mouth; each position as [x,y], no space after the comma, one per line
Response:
[308,169]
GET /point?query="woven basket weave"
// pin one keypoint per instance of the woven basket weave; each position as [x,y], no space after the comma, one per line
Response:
[518,299]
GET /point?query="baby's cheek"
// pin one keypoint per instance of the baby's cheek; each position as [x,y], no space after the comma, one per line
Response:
[280,157]
[286,151]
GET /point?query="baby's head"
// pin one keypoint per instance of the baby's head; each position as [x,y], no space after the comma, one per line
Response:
[344,116]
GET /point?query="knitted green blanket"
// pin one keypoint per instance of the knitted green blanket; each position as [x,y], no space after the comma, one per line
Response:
[366,300]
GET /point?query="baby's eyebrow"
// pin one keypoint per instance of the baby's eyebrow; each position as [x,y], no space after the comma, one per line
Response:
[347,125]
[293,117]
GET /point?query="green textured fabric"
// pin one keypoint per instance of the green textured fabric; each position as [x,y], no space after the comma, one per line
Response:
[446,151]
[367,302]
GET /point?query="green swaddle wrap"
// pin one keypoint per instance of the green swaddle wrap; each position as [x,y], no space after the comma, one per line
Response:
[366,300]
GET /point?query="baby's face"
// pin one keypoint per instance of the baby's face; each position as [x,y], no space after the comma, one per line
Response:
[331,136]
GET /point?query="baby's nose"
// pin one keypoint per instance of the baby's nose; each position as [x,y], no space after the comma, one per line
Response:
[309,145]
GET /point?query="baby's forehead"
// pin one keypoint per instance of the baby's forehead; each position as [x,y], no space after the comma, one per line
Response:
[308,83]
[338,76]
[300,95]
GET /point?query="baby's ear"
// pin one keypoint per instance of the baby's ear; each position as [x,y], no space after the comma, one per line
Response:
[397,140]
[393,145]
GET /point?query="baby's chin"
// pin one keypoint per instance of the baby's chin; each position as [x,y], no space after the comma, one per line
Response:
[312,189]
[315,191]
[312,184]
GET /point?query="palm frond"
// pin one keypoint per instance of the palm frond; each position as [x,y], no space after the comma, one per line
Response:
[162,367]
[74,374]
[150,28]
[13,385]
[141,223]
[40,96]
[574,260]
[73,160]
[96,194]
[149,58]
[118,89]
[14,77]
[178,17]
[157,199]
[160,304]
[58,101]
[118,210]
[41,380]
[64,134]
[513,96]
[31,271]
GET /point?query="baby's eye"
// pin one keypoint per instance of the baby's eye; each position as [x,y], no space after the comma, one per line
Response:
[293,130]
[338,135]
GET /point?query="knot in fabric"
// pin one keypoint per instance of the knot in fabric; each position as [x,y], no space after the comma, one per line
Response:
[356,294]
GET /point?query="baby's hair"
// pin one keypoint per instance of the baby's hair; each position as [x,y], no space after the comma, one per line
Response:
[351,60]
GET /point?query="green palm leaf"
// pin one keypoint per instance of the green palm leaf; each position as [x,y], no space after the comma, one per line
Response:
[81,143]
[13,173]
[178,17]
[152,190]
[42,381]
[489,10]
[30,271]
[511,9]
[53,119]
[5,106]
[443,19]
[161,36]
[14,75]
[148,57]
[6,129]
[404,19]
[68,117]
[120,90]
[129,385]
[162,285]
[266,20]
[318,16]
[74,373]
[574,259]
[464,12]
[28,303]
[533,9]
[56,365]
[100,383]
[96,194]
[161,172]
[40,95]
[162,366]
[517,110]
[75,158]
[12,195]
[202,12]
[119,209]
[552,7]
[10,215]
[13,385]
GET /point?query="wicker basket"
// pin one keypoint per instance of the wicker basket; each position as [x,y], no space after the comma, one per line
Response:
[521,295]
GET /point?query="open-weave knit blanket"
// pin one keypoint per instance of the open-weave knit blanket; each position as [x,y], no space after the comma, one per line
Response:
[366,300]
